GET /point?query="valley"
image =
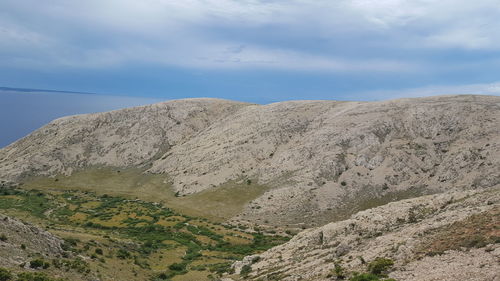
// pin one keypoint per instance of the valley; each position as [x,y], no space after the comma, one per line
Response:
[209,189]
[113,238]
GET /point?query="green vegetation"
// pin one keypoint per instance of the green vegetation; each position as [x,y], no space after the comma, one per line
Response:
[245,270]
[141,240]
[380,266]
[368,277]
[377,271]
[134,183]
[39,263]
[339,271]
[7,275]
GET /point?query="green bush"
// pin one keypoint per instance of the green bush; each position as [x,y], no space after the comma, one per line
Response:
[123,254]
[221,268]
[3,237]
[380,266]
[163,276]
[37,263]
[5,275]
[339,271]
[245,270]
[177,267]
[367,277]
[69,243]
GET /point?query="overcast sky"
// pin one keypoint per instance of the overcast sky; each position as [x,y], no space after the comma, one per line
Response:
[251,50]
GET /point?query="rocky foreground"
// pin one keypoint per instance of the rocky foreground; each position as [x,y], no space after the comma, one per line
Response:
[19,241]
[452,236]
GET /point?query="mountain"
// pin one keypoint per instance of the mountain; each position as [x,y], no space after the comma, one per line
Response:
[294,164]
[450,236]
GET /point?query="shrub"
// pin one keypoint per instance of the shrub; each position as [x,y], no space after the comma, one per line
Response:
[162,276]
[245,270]
[177,267]
[380,266]
[5,275]
[69,243]
[123,254]
[364,277]
[98,251]
[3,237]
[221,268]
[368,277]
[339,271]
[343,183]
[39,263]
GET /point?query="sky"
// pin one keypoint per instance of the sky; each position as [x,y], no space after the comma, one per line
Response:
[133,52]
[252,50]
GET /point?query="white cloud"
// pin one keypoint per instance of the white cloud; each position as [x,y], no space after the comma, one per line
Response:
[190,33]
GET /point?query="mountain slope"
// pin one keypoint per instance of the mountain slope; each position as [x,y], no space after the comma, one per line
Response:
[128,137]
[320,160]
[451,236]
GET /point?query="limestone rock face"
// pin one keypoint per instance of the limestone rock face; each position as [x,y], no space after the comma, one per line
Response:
[122,138]
[450,236]
[34,239]
[322,160]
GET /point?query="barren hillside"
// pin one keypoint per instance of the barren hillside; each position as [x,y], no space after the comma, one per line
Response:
[447,237]
[318,160]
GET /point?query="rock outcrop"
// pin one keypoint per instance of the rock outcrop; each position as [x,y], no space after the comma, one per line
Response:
[20,241]
[451,236]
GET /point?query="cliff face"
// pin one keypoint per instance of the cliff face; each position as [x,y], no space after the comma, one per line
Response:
[321,160]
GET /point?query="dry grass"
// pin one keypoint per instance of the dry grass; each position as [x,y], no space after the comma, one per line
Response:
[78,217]
[217,204]
[165,257]
[474,232]
[192,276]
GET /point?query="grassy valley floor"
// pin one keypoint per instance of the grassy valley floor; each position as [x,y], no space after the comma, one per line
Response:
[116,238]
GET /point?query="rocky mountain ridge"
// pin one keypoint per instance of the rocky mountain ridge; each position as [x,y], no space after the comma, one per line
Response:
[321,160]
